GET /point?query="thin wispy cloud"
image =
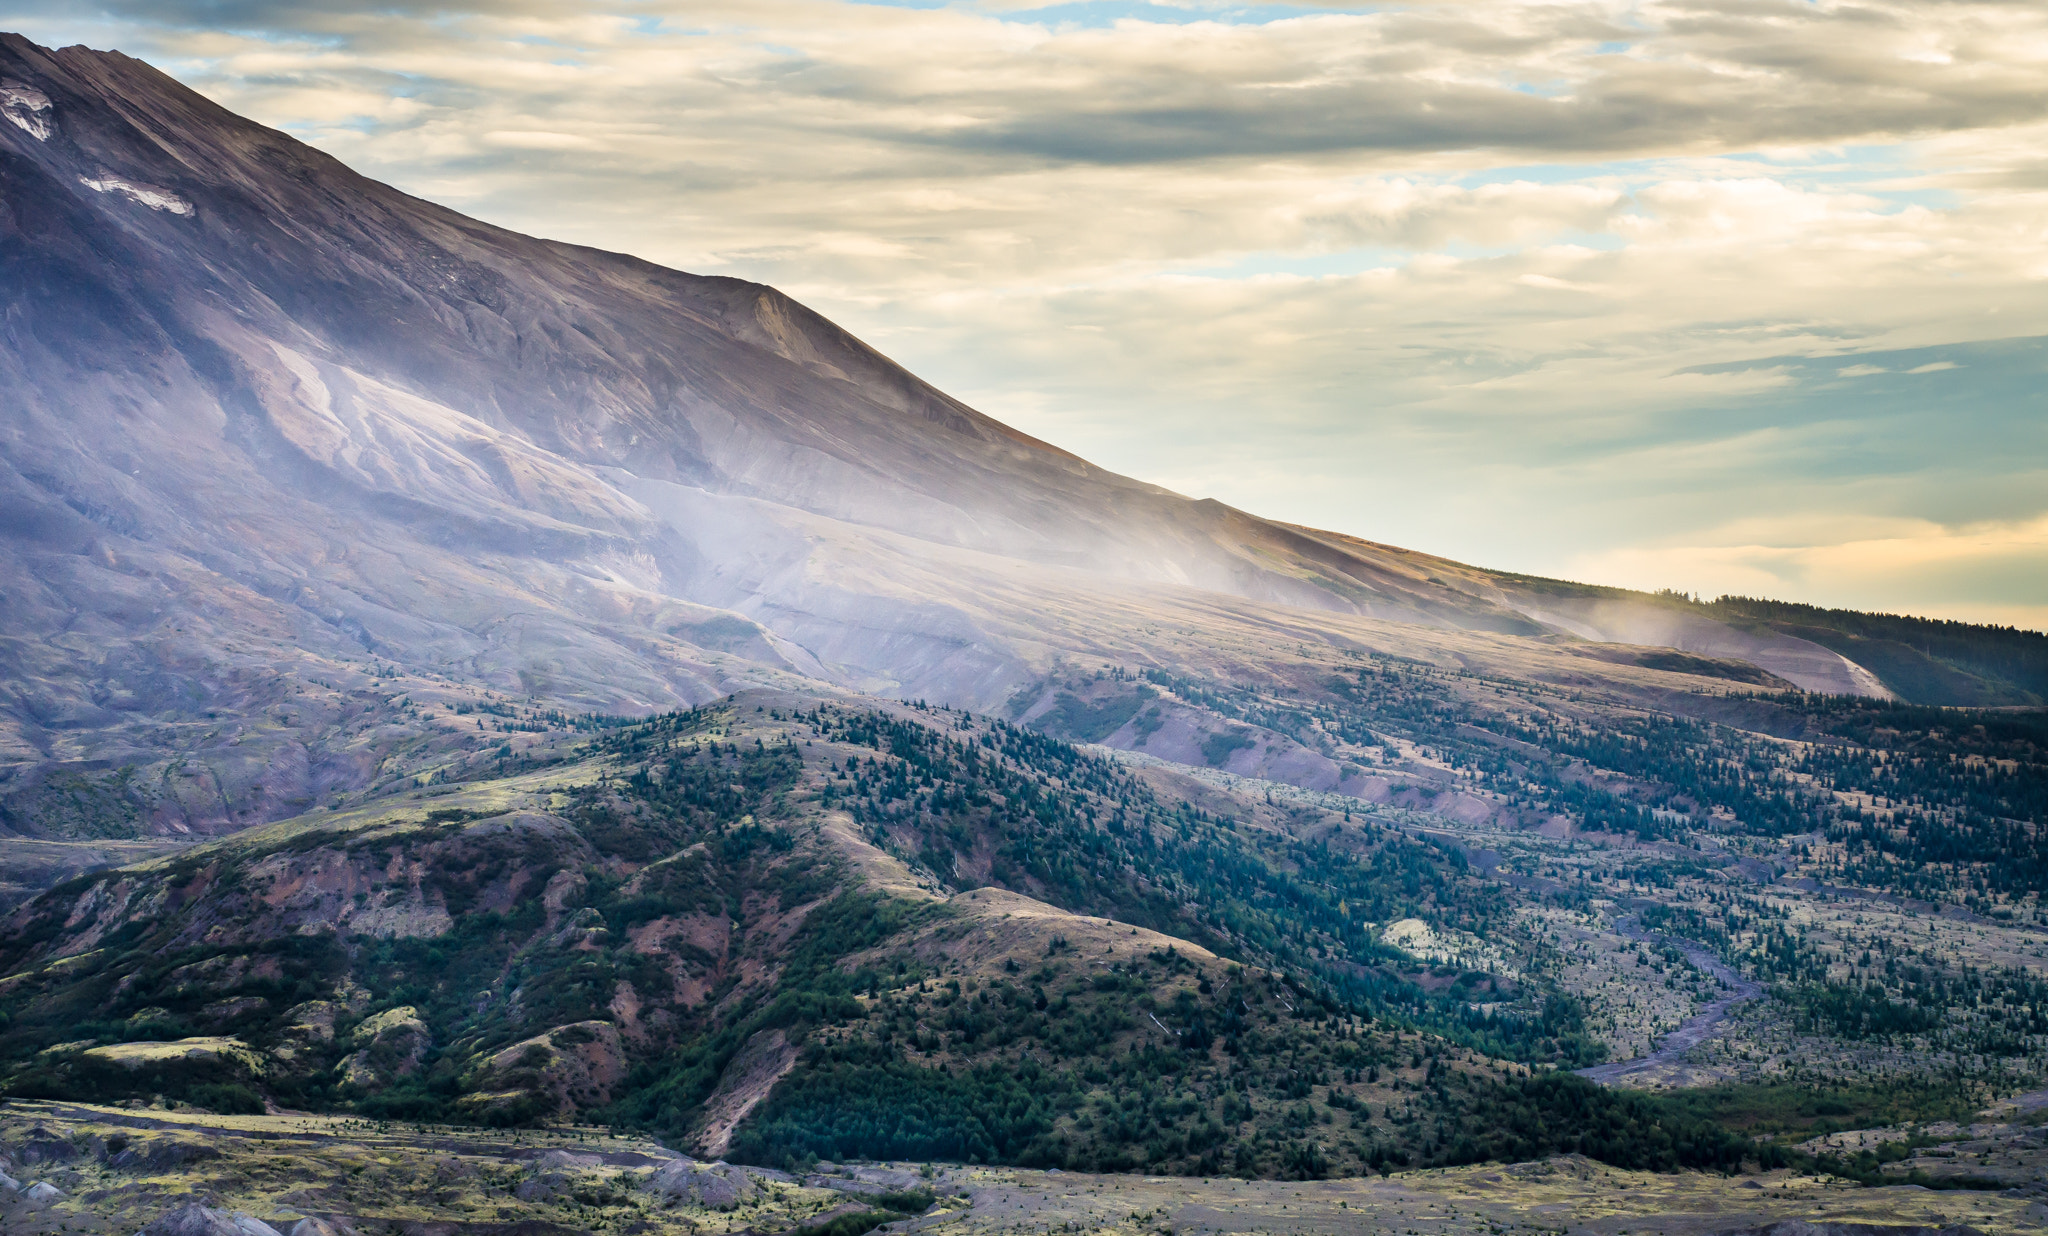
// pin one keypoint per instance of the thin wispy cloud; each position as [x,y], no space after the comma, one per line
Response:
[1556,287]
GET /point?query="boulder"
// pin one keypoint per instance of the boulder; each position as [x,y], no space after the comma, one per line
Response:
[313,1225]
[43,1192]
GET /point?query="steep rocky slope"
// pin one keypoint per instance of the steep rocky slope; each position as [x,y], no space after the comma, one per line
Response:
[278,438]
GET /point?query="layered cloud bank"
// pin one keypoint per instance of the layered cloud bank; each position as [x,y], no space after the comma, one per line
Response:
[1719,295]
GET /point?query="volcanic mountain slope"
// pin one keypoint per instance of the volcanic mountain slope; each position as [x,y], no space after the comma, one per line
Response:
[282,443]
[306,326]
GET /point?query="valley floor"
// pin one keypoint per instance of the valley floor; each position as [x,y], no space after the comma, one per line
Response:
[118,1169]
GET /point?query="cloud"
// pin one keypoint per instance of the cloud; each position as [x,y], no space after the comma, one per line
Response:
[1462,275]
[537,139]
[1529,78]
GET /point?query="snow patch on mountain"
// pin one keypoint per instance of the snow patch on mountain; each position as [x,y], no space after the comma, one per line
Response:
[149,195]
[28,108]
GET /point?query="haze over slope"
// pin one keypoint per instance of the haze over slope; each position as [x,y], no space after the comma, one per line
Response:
[272,425]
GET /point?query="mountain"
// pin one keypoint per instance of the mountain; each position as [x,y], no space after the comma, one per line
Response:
[273,425]
[451,676]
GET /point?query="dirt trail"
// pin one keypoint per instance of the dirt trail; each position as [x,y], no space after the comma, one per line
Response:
[1697,1027]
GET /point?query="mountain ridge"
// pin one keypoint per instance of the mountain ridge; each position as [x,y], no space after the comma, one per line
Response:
[288,443]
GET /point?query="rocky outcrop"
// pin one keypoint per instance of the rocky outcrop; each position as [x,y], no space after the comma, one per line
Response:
[568,1067]
[746,1081]
[393,1043]
[43,1145]
[161,1153]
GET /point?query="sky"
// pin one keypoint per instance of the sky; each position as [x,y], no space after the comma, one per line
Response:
[1743,296]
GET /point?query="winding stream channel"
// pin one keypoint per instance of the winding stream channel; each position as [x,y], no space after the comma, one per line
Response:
[1697,1027]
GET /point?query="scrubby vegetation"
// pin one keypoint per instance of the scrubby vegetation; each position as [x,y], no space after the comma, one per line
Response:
[1927,802]
[671,913]
[1082,833]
